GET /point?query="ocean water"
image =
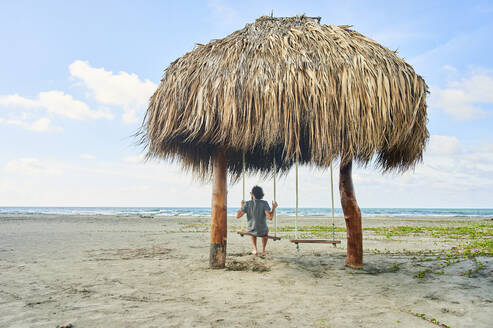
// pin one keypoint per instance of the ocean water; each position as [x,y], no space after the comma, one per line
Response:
[205,211]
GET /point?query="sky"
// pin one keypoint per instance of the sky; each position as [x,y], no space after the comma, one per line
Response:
[76,77]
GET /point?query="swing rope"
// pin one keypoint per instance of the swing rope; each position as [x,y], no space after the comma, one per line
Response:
[332,196]
[243,226]
[296,216]
[275,200]
[315,241]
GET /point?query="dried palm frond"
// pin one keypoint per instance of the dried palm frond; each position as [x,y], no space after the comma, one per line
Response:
[284,89]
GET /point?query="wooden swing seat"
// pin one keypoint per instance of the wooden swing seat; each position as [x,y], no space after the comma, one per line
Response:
[245,233]
[315,241]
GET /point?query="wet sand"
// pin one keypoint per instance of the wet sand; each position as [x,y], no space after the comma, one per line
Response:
[108,271]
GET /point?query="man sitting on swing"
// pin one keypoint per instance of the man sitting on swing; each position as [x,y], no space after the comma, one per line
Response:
[257,211]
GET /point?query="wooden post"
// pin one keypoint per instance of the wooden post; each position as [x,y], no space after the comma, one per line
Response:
[219,227]
[352,215]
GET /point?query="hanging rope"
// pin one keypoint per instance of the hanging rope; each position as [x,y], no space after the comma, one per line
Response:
[332,194]
[275,200]
[243,175]
[296,217]
[243,227]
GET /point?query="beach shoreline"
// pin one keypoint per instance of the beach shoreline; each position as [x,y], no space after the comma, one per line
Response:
[110,271]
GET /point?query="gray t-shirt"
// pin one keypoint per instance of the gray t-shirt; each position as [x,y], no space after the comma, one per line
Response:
[256,220]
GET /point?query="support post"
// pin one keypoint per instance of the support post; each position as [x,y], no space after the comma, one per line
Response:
[352,215]
[219,228]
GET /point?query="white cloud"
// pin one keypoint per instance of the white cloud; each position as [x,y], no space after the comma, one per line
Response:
[87,156]
[32,166]
[17,101]
[57,103]
[62,104]
[54,182]
[443,145]
[123,89]
[134,159]
[453,174]
[40,125]
[463,99]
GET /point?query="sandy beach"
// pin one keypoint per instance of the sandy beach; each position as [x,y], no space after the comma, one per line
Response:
[108,271]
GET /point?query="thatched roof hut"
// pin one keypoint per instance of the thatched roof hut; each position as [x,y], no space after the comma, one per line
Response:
[284,90]
[288,88]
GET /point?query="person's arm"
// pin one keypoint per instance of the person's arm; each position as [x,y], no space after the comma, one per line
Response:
[270,214]
[240,212]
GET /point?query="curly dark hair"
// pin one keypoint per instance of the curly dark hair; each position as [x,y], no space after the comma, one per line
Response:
[258,192]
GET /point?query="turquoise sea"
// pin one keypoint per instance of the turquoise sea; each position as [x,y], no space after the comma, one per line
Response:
[205,211]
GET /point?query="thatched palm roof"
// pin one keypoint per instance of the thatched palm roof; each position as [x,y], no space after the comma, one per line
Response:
[288,88]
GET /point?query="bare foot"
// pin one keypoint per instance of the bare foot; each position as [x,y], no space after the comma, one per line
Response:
[254,252]
[264,253]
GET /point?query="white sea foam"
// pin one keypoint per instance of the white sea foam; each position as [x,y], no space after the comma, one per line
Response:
[201,211]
